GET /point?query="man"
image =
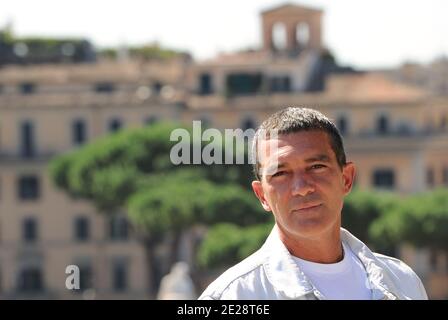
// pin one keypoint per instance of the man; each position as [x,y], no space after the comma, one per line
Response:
[302,178]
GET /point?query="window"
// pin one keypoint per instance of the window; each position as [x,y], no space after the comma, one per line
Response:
[384,178]
[27,88]
[27,145]
[82,229]
[243,84]
[79,132]
[430,177]
[444,123]
[205,121]
[28,188]
[205,84]
[382,125]
[118,228]
[115,125]
[280,84]
[30,280]
[29,230]
[405,129]
[279,41]
[157,87]
[119,276]
[342,125]
[248,124]
[445,176]
[302,34]
[151,120]
[104,87]
[85,277]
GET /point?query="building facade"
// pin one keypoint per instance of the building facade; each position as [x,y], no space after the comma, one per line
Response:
[397,135]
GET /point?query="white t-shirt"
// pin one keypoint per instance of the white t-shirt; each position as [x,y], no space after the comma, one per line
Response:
[344,280]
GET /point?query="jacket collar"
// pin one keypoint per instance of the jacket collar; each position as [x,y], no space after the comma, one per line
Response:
[377,272]
[281,269]
[286,276]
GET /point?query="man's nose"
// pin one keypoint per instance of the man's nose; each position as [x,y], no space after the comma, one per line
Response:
[302,185]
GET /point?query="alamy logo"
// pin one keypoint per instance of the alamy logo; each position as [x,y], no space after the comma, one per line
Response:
[188,149]
[72,282]
[212,152]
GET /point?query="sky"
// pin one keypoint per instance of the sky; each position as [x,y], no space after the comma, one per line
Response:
[366,34]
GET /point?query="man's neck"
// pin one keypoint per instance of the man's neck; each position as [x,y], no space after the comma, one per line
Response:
[325,249]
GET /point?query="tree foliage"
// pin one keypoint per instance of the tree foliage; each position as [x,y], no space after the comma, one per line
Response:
[132,170]
[112,168]
[380,219]
[227,243]
[421,220]
[146,52]
[361,208]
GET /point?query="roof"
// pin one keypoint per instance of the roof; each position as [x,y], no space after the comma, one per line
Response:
[58,74]
[239,58]
[370,88]
[290,8]
[354,90]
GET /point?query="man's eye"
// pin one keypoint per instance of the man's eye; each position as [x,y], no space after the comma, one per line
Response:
[317,166]
[278,174]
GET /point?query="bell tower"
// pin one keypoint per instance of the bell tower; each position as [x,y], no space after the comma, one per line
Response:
[291,28]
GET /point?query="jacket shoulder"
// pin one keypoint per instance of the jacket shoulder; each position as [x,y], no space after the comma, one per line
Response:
[233,277]
[403,275]
[396,265]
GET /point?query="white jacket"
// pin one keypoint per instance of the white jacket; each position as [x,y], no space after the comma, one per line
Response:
[271,273]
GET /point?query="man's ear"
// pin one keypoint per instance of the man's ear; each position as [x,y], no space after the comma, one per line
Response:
[258,190]
[348,174]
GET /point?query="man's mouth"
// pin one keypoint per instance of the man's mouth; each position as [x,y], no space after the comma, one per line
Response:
[307,207]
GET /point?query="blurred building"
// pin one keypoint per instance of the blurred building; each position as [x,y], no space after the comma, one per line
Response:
[42,50]
[47,110]
[396,133]
[433,77]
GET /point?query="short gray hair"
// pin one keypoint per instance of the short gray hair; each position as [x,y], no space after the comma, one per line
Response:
[292,120]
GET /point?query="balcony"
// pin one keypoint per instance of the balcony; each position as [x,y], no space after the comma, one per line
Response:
[8,156]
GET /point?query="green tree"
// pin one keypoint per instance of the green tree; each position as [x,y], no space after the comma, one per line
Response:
[362,208]
[228,243]
[420,220]
[146,52]
[132,170]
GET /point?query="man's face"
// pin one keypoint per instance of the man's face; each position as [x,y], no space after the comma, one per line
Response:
[305,191]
